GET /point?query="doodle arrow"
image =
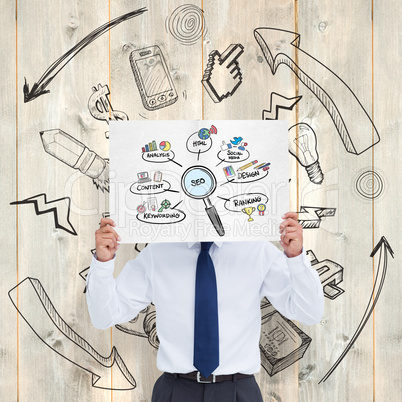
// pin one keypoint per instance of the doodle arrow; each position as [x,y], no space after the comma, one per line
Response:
[310,217]
[38,88]
[385,249]
[60,209]
[35,307]
[351,120]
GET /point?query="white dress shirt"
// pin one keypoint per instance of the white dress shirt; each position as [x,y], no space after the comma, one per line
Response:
[164,273]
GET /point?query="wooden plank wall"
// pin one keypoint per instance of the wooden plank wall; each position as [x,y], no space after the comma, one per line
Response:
[351,48]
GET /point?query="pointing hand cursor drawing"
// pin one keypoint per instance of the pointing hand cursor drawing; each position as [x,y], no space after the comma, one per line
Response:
[222,75]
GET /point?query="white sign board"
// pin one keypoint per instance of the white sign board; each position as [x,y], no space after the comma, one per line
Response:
[198,180]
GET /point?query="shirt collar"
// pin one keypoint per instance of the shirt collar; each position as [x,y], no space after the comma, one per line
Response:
[192,244]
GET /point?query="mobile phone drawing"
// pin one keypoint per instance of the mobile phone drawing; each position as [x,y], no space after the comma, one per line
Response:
[152,78]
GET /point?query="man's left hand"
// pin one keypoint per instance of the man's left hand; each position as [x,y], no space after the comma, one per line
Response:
[291,235]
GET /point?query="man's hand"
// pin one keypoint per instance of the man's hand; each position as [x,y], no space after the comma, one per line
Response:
[106,240]
[291,235]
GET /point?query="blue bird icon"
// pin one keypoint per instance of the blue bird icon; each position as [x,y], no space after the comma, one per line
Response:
[236,140]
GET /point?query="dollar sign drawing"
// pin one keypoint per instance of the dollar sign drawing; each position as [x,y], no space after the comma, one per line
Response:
[100,107]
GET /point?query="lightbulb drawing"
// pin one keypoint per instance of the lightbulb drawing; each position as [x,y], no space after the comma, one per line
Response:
[304,148]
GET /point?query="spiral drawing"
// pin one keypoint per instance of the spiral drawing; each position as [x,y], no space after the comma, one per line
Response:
[369,184]
[186,24]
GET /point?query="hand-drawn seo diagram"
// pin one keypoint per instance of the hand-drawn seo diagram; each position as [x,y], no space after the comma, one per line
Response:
[198,180]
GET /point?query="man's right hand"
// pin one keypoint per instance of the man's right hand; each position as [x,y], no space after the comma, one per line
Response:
[106,240]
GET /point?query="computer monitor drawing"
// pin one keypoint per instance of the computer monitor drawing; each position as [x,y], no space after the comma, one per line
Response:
[143,177]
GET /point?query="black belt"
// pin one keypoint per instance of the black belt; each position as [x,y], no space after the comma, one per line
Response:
[197,376]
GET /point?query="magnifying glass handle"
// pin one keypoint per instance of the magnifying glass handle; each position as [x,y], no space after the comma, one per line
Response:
[215,220]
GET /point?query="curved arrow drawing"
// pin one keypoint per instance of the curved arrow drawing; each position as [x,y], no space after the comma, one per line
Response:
[37,306]
[38,88]
[384,248]
[351,120]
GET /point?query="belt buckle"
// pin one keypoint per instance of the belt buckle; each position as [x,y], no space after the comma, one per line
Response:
[205,381]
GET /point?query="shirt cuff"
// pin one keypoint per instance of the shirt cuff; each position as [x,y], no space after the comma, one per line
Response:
[101,268]
[298,263]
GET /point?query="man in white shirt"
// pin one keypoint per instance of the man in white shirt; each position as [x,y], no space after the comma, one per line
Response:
[164,273]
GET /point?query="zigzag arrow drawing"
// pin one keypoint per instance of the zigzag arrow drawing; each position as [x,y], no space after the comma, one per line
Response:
[354,125]
[41,316]
[61,205]
[310,217]
[278,102]
[38,88]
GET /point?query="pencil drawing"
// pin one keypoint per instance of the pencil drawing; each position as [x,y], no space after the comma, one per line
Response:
[75,154]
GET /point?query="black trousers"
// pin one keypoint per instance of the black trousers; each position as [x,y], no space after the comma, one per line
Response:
[168,388]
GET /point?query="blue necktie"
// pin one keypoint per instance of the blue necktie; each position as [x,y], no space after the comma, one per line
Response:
[206,330]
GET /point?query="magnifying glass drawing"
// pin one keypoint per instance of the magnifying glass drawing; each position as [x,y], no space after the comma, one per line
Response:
[199,182]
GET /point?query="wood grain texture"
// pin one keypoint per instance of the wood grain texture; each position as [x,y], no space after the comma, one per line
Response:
[8,266]
[387,222]
[329,34]
[358,43]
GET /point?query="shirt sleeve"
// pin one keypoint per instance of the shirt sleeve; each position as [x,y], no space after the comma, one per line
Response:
[113,301]
[293,286]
